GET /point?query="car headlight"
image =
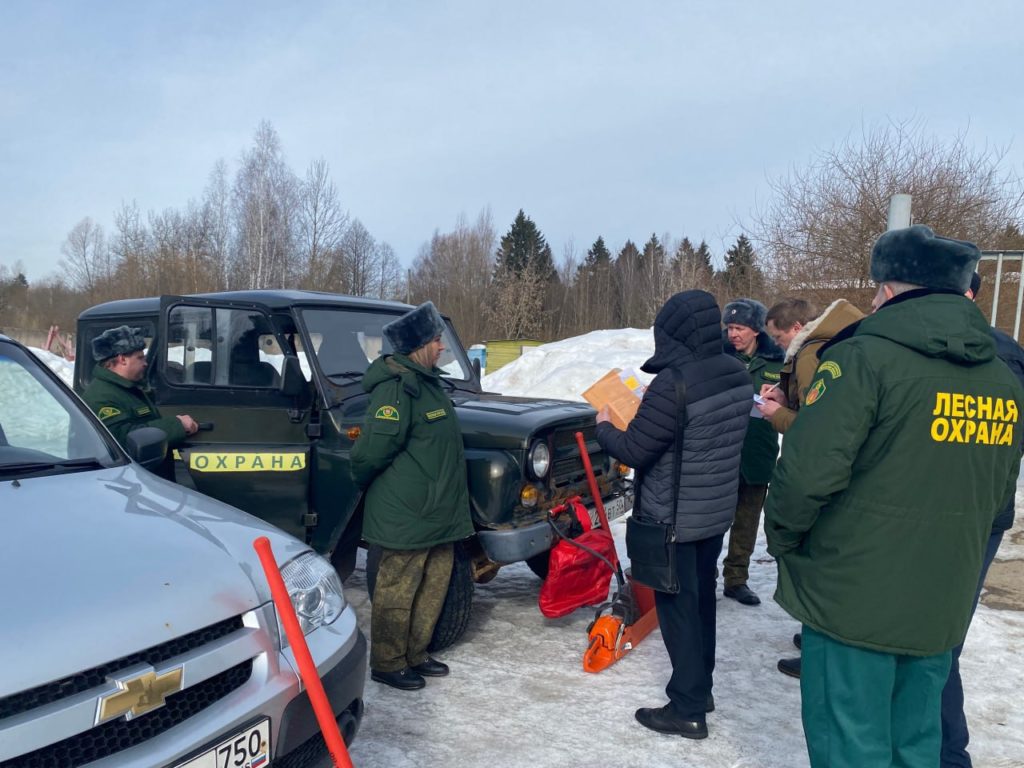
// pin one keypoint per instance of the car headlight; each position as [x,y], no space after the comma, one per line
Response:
[539,459]
[315,590]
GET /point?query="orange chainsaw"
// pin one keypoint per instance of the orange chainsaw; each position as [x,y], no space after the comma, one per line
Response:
[620,624]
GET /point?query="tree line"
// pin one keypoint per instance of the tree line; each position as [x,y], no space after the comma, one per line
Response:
[268,227]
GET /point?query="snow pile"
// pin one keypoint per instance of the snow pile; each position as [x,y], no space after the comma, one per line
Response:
[564,369]
[63,368]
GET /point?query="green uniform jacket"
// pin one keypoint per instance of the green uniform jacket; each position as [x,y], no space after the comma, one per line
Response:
[907,446]
[409,459]
[761,444]
[123,405]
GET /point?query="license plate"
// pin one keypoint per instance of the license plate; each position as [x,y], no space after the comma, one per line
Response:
[249,748]
[613,508]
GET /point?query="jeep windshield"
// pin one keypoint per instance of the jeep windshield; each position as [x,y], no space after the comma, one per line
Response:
[346,341]
[43,429]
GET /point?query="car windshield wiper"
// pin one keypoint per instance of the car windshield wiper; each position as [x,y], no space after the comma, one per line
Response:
[31,467]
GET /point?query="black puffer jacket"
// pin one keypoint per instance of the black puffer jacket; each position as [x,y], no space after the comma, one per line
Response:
[1010,352]
[687,337]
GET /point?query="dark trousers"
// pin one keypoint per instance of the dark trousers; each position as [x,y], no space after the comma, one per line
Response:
[743,534]
[688,626]
[954,724]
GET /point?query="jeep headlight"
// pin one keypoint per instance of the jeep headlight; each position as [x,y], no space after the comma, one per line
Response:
[539,459]
[315,590]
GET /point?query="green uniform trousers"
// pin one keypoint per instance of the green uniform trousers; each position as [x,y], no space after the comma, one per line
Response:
[407,600]
[867,709]
[743,534]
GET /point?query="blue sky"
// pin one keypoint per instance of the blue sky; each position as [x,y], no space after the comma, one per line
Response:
[597,118]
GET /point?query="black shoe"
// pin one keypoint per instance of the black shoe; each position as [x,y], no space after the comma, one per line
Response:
[709,703]
[664,720]
[790,667]
[403,679]
[430,668]
[798,641]
[742,594]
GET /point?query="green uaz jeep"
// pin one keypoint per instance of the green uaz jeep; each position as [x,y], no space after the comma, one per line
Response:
[276,375]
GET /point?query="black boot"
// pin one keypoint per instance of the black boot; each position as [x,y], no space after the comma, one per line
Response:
[403,679]
[742,594]
[430,668]
[790,667]
[798,640]
[664,720]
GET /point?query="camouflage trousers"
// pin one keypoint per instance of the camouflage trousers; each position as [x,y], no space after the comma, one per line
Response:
[743,534]
[407,601]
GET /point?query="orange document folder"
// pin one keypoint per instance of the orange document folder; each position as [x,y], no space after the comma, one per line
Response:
[621,391]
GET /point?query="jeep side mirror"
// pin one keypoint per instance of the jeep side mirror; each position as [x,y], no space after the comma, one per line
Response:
[293,383]
[148,446]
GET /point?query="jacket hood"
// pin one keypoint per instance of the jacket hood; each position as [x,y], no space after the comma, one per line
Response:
[688,327]
[395,367]
[839,314]
[935,324]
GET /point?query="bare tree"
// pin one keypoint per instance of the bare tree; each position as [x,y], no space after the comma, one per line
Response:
[217,223]
[516,310]
[322,224]
[360,257]
[86,260]
[389,273]
[454,271]
[816,231]
[265,206]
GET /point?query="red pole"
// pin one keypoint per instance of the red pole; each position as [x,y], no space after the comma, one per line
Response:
[595,493]
[307,669]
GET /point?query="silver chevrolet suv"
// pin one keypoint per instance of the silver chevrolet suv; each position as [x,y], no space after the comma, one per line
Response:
[136,625]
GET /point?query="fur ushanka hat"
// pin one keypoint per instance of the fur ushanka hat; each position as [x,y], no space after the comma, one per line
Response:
[415,328]
[117,341]
[918,256]
[746,312]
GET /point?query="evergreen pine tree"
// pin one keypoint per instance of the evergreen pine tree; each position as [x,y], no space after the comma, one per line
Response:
[524,245]
[704,257]
[742,275]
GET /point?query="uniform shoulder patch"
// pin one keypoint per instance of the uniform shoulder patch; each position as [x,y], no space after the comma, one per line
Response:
[772,376]
[814,393]
[108,412]
[386,413]
[832,368]
[143,410]
[440,413]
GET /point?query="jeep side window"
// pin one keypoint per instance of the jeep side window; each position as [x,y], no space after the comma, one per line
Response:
[222,347]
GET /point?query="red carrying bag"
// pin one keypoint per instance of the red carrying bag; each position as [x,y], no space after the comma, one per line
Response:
[575,576]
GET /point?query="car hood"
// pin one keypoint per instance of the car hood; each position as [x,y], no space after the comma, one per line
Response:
[106,563]
[494,421]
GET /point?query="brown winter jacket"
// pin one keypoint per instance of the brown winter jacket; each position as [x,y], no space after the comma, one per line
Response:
[802,357]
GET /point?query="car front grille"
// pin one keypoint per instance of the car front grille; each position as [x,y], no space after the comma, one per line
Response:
[112,737]
[567,466]
[119,734]
[91,678]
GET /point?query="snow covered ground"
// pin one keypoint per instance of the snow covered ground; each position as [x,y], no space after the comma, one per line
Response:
[518,695]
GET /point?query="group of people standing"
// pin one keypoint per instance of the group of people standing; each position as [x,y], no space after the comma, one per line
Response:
[895,483]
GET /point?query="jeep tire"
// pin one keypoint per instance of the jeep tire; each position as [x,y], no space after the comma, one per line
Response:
[458,602]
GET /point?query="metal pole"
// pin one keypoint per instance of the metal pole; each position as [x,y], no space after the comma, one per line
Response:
[995,292]
[899,212]
[1020,296]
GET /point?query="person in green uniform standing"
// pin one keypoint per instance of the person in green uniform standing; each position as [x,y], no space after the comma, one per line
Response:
[906,449]
[410,461]
[748,342]
[117,396]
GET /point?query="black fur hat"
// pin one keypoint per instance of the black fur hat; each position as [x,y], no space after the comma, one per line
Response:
[746,312]
[918,256]
[415,328]
[117,341]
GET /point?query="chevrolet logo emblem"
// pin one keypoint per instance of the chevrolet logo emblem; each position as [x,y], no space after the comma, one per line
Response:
[139,690]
